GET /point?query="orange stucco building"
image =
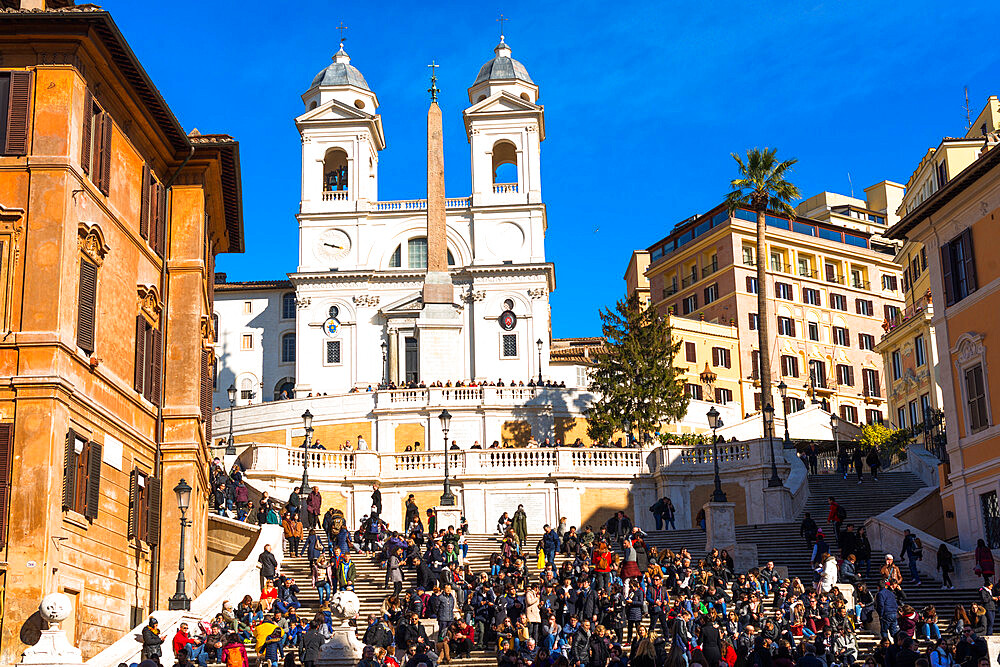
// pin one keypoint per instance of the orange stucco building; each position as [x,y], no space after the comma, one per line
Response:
[958,223]
[110,215]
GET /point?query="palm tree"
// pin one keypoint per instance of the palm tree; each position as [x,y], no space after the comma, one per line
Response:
[762,187]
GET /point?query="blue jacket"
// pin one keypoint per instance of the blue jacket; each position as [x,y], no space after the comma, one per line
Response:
[550,540]
[886,604]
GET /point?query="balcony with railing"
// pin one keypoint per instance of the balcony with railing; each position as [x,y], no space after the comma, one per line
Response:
[335,195]
[505,188]
[860,284]
[840,280]
[418,204]
[808,273]
[688,281]
[709,270]
[921,307]
[669,291]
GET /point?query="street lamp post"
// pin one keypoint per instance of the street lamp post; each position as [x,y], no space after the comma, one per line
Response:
[834,421]
[539,344]
[718,496]
[775,480]
[385,364]
[180,600]
[447,498]
[783,390]
[307,420]
[230,445]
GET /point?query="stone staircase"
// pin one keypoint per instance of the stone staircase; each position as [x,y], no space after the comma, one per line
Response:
[779,542]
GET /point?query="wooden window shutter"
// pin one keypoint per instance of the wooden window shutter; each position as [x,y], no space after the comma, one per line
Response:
[156,367]
[970,261]
[206,392]
[158,231]
[152,536]
[86,306]
[105,181]
[6,454]
[133,504]
[17,113]
[140,352]
[946,274]
[144,203]
[95,455]
[69,471]
[86,145]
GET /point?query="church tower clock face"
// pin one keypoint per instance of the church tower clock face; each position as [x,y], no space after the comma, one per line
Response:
[332,246]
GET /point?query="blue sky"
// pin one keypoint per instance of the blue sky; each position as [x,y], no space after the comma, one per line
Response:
[643,102]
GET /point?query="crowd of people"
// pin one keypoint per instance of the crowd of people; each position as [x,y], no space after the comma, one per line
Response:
[594,597]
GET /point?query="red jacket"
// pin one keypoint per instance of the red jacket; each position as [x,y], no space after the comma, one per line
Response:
[182,639]
[602,562]
[832,516]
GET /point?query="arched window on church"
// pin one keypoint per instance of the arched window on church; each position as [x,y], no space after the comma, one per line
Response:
[288,348]
[396,259]
[504,164]
[335,171]
[246,389]
[288,306]
[416,254]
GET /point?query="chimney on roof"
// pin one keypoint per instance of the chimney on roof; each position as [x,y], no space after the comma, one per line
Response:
[220,278]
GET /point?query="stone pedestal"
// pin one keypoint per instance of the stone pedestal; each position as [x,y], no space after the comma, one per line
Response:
[720,525]
[777,504]
[343,649]
[744,557]
[449,515]
[439,336]
[53,648]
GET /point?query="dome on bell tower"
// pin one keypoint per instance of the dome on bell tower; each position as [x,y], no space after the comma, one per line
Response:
[502,72]
[341,81]
[340,73]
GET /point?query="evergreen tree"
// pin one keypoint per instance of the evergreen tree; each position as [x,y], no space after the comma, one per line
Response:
[634,374]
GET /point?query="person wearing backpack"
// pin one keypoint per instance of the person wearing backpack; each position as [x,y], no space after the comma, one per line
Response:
[913,551]
[234,652]
[836,516]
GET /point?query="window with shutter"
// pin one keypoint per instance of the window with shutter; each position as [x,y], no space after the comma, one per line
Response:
[133,505]
[690,352]
[158,198]
[92,499]
[152,537]
[140,353]
[206,392]
[69,471]
[86,306]
[144,208]
[17,116]
[6,455]
[103,166]
[156,368]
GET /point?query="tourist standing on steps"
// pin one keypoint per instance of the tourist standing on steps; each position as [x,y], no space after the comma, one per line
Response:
[322,578]
[808,529]
[346,573]
[887,609]
[946,564]
[313,548]
[812,458]
[874,462]
[520,525]
[376,498]
[859,464]
[913,551]
[890,572]
[152,641]
[836,516]
[292,528]
[268,565]
[412,512]
[984,562]
[314,501]
[863,550]
[295,500]
[394,572]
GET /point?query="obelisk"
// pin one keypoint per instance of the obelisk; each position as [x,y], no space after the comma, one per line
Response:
[437,285]
[439,326]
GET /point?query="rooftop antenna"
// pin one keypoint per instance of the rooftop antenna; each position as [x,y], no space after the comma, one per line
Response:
[433,90]
[501,21]
[342,28]
[851,183]
[968,111]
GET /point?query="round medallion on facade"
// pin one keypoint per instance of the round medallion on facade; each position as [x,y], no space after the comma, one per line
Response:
[508,320]
[331,326]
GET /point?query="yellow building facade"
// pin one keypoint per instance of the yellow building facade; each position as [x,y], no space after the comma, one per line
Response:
[831,288]
[110,217]
[956,224]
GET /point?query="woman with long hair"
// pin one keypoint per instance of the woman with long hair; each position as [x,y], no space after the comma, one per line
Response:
[984,562]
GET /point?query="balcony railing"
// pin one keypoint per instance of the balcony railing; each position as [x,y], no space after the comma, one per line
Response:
[709,270]
[808,273]
[781,268]
[669,291]
[915,309]
[504,188]
[335,195]
[690,280]
[835,279]
[420,204]
[860,284]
